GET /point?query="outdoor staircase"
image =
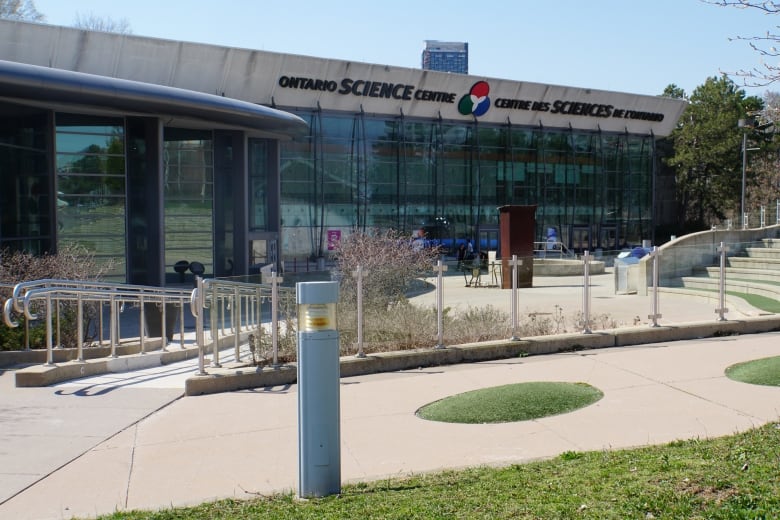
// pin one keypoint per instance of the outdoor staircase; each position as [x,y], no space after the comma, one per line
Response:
[753,270]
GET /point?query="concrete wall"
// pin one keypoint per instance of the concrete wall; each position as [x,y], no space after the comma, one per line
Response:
[270,78]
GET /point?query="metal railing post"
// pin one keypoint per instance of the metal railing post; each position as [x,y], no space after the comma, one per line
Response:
[163,331]
[112,330]
[515,264]
[655,254]
[142,323]
[199,303]
[359,277]
[100,324]
[721,310]
[80,329]
[586,293]
[26,334]
[439,268]
[181,322]
[275,317]
[57,311]
[49,332]
[235,314]
[215,308]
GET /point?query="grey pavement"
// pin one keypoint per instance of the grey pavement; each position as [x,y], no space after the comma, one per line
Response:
[118,442]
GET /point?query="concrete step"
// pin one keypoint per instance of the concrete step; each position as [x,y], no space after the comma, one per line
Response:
[741,273]
[763,252]
[745,262]
[747,287]
[771,242]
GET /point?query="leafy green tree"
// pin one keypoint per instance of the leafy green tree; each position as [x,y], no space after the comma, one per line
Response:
[20,10]
[707,153]
[674,92]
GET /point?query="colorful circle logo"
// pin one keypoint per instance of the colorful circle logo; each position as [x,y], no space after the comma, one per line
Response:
[476,101]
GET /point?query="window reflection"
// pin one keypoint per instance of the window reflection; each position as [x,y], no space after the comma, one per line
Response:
[25,202]
[91,188]
[363,171]
[188,177]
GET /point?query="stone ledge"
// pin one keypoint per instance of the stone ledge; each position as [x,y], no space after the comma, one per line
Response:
[45,375]
[242,376]
[224,379]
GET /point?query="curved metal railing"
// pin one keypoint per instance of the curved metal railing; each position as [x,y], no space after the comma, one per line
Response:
[223,307]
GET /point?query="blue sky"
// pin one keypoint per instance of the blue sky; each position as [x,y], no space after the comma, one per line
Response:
[636,46]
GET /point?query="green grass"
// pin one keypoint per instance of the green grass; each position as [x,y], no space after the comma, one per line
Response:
[759,302]
[732,477]
[516,402]
[764,371]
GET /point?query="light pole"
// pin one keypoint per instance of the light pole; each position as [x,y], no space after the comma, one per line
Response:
[743,123]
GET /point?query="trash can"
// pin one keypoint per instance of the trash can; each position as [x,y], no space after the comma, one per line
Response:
[626,273]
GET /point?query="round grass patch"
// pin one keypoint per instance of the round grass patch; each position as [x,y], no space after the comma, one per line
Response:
[509,403]
[764,371]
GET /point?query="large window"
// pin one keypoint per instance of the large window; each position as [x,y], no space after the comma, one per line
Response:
[90,162]
[25,203]
[258,185]
[360,171]
[188,188]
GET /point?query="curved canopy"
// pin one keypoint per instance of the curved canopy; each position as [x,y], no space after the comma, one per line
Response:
[32,82]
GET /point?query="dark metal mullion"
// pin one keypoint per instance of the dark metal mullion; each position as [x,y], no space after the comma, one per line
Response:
[364,163]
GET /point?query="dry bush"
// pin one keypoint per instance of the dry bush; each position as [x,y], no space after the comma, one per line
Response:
[477,324]
[390,261]
[70,263]
[391,265]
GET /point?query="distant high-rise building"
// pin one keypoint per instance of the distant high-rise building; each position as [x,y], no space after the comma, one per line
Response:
[446,56]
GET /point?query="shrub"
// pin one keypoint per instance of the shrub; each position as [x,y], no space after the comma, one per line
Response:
[72,262]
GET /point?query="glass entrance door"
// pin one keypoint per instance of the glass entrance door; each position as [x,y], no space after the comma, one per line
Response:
[488,239]
[263,251]
[580,239]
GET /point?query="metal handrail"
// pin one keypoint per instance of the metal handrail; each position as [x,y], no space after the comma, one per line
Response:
[216,294]
[553,248]
[238,304]
[117,295]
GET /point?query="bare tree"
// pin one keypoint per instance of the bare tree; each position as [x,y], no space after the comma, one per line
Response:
[20,10]
[93,22]
[765,45]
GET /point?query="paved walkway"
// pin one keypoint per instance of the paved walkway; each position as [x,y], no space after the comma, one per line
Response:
[95,446]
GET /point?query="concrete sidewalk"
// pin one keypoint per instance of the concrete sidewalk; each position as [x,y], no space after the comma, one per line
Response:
[564,294]
[129,450]
[130,441]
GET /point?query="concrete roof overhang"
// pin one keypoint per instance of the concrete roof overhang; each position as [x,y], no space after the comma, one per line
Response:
[61,87]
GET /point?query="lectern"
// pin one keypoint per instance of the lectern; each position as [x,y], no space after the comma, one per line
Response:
[517,226]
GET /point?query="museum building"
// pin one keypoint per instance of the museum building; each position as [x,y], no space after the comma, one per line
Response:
[149,152]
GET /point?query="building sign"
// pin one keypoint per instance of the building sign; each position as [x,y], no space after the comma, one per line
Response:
[361,87]
[475,102]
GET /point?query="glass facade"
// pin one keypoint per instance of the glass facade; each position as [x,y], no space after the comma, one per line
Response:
[91,205]
[214,197]
[25,183]
[358,171]
[188,197]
